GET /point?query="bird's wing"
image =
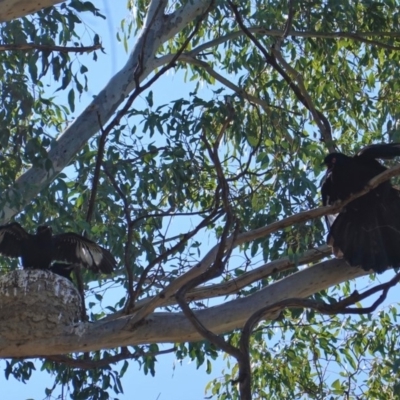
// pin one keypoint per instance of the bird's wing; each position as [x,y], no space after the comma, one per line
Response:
[11,238]
[328,198]
[383,151]
[326,189]
[73,248]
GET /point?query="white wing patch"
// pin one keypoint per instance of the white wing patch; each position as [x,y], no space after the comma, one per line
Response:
[91,256]
[331,219]
[83,254]
[74,248]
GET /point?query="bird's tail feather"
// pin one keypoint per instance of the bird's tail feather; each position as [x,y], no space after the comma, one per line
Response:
[370,239]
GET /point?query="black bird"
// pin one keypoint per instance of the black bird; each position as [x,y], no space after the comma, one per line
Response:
[366,232]
[40,250]
[62,269]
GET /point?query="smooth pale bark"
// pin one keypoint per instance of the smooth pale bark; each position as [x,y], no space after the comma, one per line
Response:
[10,9]
[156,327]
[174,327]
[158,29]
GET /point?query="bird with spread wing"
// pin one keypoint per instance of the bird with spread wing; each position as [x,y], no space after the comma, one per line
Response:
[366,232]
[40,250]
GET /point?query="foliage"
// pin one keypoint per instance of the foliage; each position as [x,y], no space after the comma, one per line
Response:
[158,180]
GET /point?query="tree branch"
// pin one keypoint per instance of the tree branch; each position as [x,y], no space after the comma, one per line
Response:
[65,148]
[48,48]
[341,307]
[16,9]
[124,354]
[166,327]
[299,90]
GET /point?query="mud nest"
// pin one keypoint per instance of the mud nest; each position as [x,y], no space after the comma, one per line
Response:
[36,304]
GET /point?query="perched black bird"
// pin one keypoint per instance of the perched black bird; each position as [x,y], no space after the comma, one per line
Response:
[62,269]
[40,250]
[366,232]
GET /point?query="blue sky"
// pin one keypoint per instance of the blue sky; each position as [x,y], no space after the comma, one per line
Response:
[172,380]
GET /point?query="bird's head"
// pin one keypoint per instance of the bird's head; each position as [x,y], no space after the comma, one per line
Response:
[44,229]
[333,159]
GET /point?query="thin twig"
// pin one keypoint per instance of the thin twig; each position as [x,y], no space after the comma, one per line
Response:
[106,361]
[341,307]
[47,48]
[129,234]
[300,92]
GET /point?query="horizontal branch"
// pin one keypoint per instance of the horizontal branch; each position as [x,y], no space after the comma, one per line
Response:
[234,285]
[341,307]
[356,36]
[174,327]
[60,49]
[160,299]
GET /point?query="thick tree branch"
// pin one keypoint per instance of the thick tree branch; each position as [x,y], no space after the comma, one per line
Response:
[10,9]
[341,307]
[174,327]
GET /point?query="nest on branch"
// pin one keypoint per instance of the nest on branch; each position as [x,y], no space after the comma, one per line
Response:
[36,304]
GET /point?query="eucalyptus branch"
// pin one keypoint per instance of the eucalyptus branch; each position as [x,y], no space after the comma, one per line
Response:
[356,36]
[317,212]
[235,284]
[321,120]
[129,235]
[47,48]
[341,307]
[188,58]
[245,237]
[124,354]
[140,68]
